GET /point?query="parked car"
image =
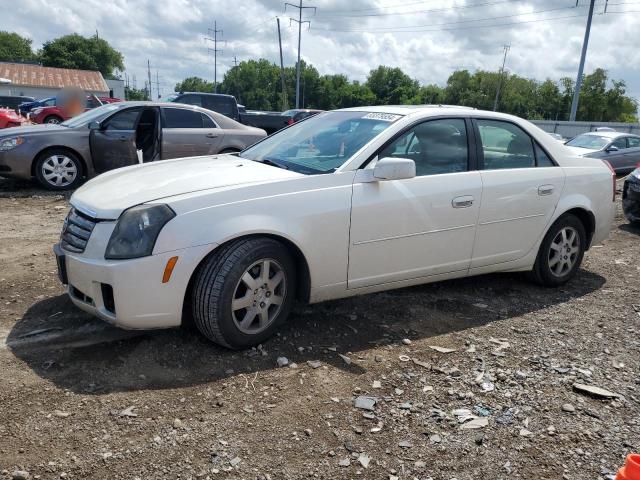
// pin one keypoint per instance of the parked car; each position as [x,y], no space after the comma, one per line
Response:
[621,150]
[345,203]
[227,105]
[9,118]
[12,101]
[298,114]
[108,137]
[631,197]
[26,107]
[57,114]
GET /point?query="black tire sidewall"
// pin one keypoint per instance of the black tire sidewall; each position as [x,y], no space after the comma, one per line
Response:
[264,249]
[46,120]
[544,273]
[40,177]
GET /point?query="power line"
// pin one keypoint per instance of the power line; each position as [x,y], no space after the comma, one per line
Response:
[299,22]
[395,28]
[215,51]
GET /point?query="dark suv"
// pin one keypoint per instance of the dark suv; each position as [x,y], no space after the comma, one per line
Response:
[224,104]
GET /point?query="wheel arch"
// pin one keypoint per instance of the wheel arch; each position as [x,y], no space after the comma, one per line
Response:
[302,268]
[588,220]
[57,147]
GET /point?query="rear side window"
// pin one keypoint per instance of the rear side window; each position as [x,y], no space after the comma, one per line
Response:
[182,118]
[505,145]
[125,120]
[207,122]
[542,159]
[223,105]
[634,142]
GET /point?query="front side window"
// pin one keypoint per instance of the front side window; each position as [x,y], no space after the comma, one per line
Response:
[505,145]
[182,118]
[634,142]
[125,120]
[619,143]
[436,146]
[322,143]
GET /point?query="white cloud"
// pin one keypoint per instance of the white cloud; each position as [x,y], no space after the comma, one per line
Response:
[171,35]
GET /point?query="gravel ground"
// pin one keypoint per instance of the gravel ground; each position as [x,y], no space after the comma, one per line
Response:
[496,397]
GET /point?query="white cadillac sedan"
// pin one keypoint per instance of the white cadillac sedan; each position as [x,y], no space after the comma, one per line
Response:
[344,203]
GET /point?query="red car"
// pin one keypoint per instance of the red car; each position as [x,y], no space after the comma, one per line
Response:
[57,114]
[9,118]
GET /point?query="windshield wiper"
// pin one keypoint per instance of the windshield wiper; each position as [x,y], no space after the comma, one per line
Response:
[273,163]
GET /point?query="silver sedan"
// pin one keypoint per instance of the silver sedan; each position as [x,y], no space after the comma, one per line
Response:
[620,150]
[118,135]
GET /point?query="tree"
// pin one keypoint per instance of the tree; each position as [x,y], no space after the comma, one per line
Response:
[76,51]
[194,84]
[391,86]
[15,48]
[131,93]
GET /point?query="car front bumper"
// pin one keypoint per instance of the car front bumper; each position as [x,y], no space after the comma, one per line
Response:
[16,163]
[130,293]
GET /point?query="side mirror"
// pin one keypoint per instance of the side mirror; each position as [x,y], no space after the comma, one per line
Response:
[389,168]
[612,148]
[94,125]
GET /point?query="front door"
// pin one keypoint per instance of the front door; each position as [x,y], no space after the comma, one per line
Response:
[188,133]
[113,145]
[422,226]
[521,188]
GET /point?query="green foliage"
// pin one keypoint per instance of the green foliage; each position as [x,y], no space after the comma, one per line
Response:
[194,84]
[257,84]
[15,48]
[84,53]
[131,93]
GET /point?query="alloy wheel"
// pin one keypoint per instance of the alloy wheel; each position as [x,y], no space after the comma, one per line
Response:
[258,296]
[564,251]
[59,170]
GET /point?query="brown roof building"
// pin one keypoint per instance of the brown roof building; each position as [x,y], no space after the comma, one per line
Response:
[38,81]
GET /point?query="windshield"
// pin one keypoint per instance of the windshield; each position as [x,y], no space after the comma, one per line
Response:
[90,116]
[322,143]
[169,98]
[592,142]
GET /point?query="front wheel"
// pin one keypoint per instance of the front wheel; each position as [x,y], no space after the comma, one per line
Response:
[58,169]
[243,292]
[561,252]
[52,119]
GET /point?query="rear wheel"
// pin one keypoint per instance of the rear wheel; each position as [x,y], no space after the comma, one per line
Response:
[52,119]
[561,252]
[58,169]
[244,292]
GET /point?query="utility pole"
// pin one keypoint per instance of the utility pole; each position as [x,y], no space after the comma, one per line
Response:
[215,51]
[299,22]
[284,88]
[158,83]
[149,78]
[504,60]
[235,78]
[576,93]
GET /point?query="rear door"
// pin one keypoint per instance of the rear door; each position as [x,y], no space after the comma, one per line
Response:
[113,145]
[632,153]
[617,157]
[188,133]
[521,187]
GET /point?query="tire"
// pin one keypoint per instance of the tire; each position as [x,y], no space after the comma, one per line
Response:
[560,254]
[52,119]
[59,169]
[254,315]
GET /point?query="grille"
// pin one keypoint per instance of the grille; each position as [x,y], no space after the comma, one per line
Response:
[76,231]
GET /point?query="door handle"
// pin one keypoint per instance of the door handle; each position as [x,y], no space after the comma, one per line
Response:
[211,135]
[545,190]
[462,202]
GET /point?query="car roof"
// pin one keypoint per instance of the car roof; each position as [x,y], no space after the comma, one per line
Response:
[407,109]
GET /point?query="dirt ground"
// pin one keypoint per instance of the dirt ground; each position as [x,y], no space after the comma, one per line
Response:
[80,399]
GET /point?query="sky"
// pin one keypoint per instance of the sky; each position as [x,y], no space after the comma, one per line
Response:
[427,39]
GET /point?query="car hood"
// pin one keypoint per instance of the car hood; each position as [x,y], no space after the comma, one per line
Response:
[33,130]
[109,194]
[580,151]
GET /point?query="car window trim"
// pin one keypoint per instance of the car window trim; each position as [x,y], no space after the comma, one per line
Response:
[105,120]
[472,161]
[480,151]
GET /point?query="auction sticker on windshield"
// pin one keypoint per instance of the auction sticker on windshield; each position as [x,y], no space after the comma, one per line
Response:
[387,117]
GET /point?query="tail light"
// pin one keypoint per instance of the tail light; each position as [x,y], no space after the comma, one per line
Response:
[290,121]
[613,179]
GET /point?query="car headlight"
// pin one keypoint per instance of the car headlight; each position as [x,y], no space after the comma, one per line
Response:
[137,230]
[9,143]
